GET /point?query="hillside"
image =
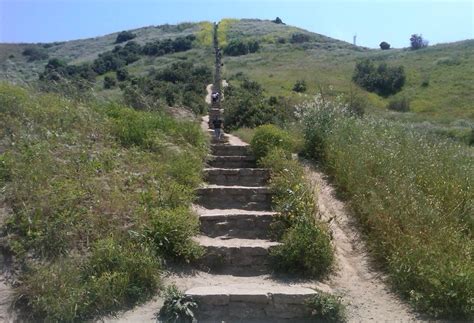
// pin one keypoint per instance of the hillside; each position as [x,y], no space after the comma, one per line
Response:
[439,85]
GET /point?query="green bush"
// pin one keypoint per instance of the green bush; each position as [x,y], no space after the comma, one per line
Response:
[412,192]
[268,137]
[177,307]
[300,86]
[298,38]
[238,47]
[306,249]
[327,307]
[171,232]
[35,54]
[109,82]
[383,80]
[124,36]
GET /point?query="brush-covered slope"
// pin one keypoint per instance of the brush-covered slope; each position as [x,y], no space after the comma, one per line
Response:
[18,68]
[439,79]
[439,84]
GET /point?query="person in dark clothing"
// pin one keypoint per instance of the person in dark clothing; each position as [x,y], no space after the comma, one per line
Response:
[217,123]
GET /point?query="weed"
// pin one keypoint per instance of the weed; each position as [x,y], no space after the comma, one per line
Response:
[327,307]
[177,307]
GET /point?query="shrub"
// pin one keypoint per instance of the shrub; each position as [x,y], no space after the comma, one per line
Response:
[267,137]
[35,54]
[177,307]
[124,36]
[109,82]
[298,38]
[300,86]
[383,80]
[400,105]
[122,74]
[384,45]
[306,249]
[238,47]
[167,46]
[171,232]
[417,42]
[327,307]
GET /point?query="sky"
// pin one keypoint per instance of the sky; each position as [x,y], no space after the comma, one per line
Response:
[372,21]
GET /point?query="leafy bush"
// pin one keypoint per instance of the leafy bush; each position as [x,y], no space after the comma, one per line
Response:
[124,36]
[417,42]
[383,80]
[180,84]
[122,74]
[238,47]
[109,82]
[412,193]
[327,307]
[167,46]
[35,54]
[300,86]
[400,105]
[384,45]
[171,232]
[246,106]
[268,137]
[177,307]
[117,58]
[298,38]
[306,247]
[278,21]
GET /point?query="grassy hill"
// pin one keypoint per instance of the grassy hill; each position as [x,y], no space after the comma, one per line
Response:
[439,84]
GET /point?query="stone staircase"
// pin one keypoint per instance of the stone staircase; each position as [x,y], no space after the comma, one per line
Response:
[235,213]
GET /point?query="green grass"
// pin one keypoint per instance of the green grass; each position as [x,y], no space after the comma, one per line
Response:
[413,194]
[99,197]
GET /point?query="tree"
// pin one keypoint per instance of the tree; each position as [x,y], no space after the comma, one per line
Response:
[278,21]
[384,45]
[418,42]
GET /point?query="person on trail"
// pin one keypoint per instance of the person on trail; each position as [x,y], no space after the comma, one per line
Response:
[217,123]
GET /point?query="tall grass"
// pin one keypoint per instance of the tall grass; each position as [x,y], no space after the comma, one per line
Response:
[99,197]
[414,195]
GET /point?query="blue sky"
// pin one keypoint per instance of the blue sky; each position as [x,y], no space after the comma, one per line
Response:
[372,20]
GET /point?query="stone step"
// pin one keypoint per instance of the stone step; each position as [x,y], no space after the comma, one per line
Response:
[232,162]
[230,150]
[241,257]
[237,176]
[237,224]
[263,302]
[239,197]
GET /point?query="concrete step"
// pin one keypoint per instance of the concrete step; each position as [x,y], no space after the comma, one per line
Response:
[237,176]
[230,150]
[239,197]
[237,224]
[244,257]
[232,162]
[252,303]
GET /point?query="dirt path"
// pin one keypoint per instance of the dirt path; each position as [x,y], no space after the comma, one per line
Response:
[363,289]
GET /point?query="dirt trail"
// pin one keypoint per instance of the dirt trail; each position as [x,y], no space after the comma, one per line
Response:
[363,288]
